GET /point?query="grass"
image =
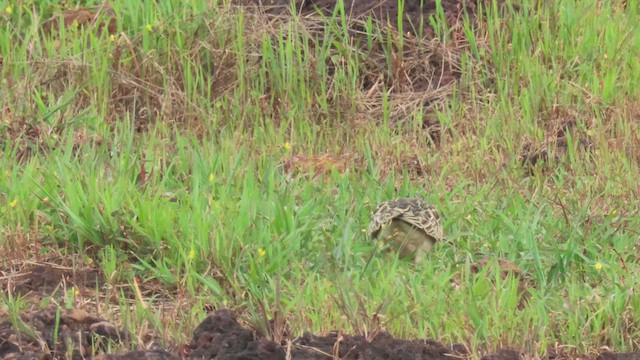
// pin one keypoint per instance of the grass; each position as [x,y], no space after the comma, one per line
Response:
[158,153]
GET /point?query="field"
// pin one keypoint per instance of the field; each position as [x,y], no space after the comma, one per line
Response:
[166,160]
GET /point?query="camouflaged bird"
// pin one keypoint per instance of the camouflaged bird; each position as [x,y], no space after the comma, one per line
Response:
[409,226]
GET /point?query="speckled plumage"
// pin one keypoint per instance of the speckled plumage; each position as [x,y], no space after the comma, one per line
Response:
[410,226]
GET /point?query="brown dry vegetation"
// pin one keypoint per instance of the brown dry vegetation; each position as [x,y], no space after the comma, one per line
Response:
[420,76]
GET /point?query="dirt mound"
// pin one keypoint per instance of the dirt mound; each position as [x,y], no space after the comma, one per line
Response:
[54,333]
[220,336]
[382,346]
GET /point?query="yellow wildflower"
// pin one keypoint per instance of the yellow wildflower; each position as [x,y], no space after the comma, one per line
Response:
[8,9]
[149,28]
[192,254]
[45,200]
[598,266]
[261,252]
[112,37]
[211,178]
[287,146]
[13,203]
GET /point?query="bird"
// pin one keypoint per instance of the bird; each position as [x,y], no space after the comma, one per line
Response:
[410,226]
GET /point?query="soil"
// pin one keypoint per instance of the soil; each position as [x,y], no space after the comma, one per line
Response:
[46,279]
[56,333]
[383,10]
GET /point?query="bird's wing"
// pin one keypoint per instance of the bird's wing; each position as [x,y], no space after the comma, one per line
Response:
[425,217]
[386,212]
[415,212]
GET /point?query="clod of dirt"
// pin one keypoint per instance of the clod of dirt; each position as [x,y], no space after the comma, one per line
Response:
[382,346]
[220,336]
[608,355]
[504,354]
[62,332]
[7,347]
[141,354]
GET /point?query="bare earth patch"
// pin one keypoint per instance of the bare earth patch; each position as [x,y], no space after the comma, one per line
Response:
[53,332]
[383,10]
